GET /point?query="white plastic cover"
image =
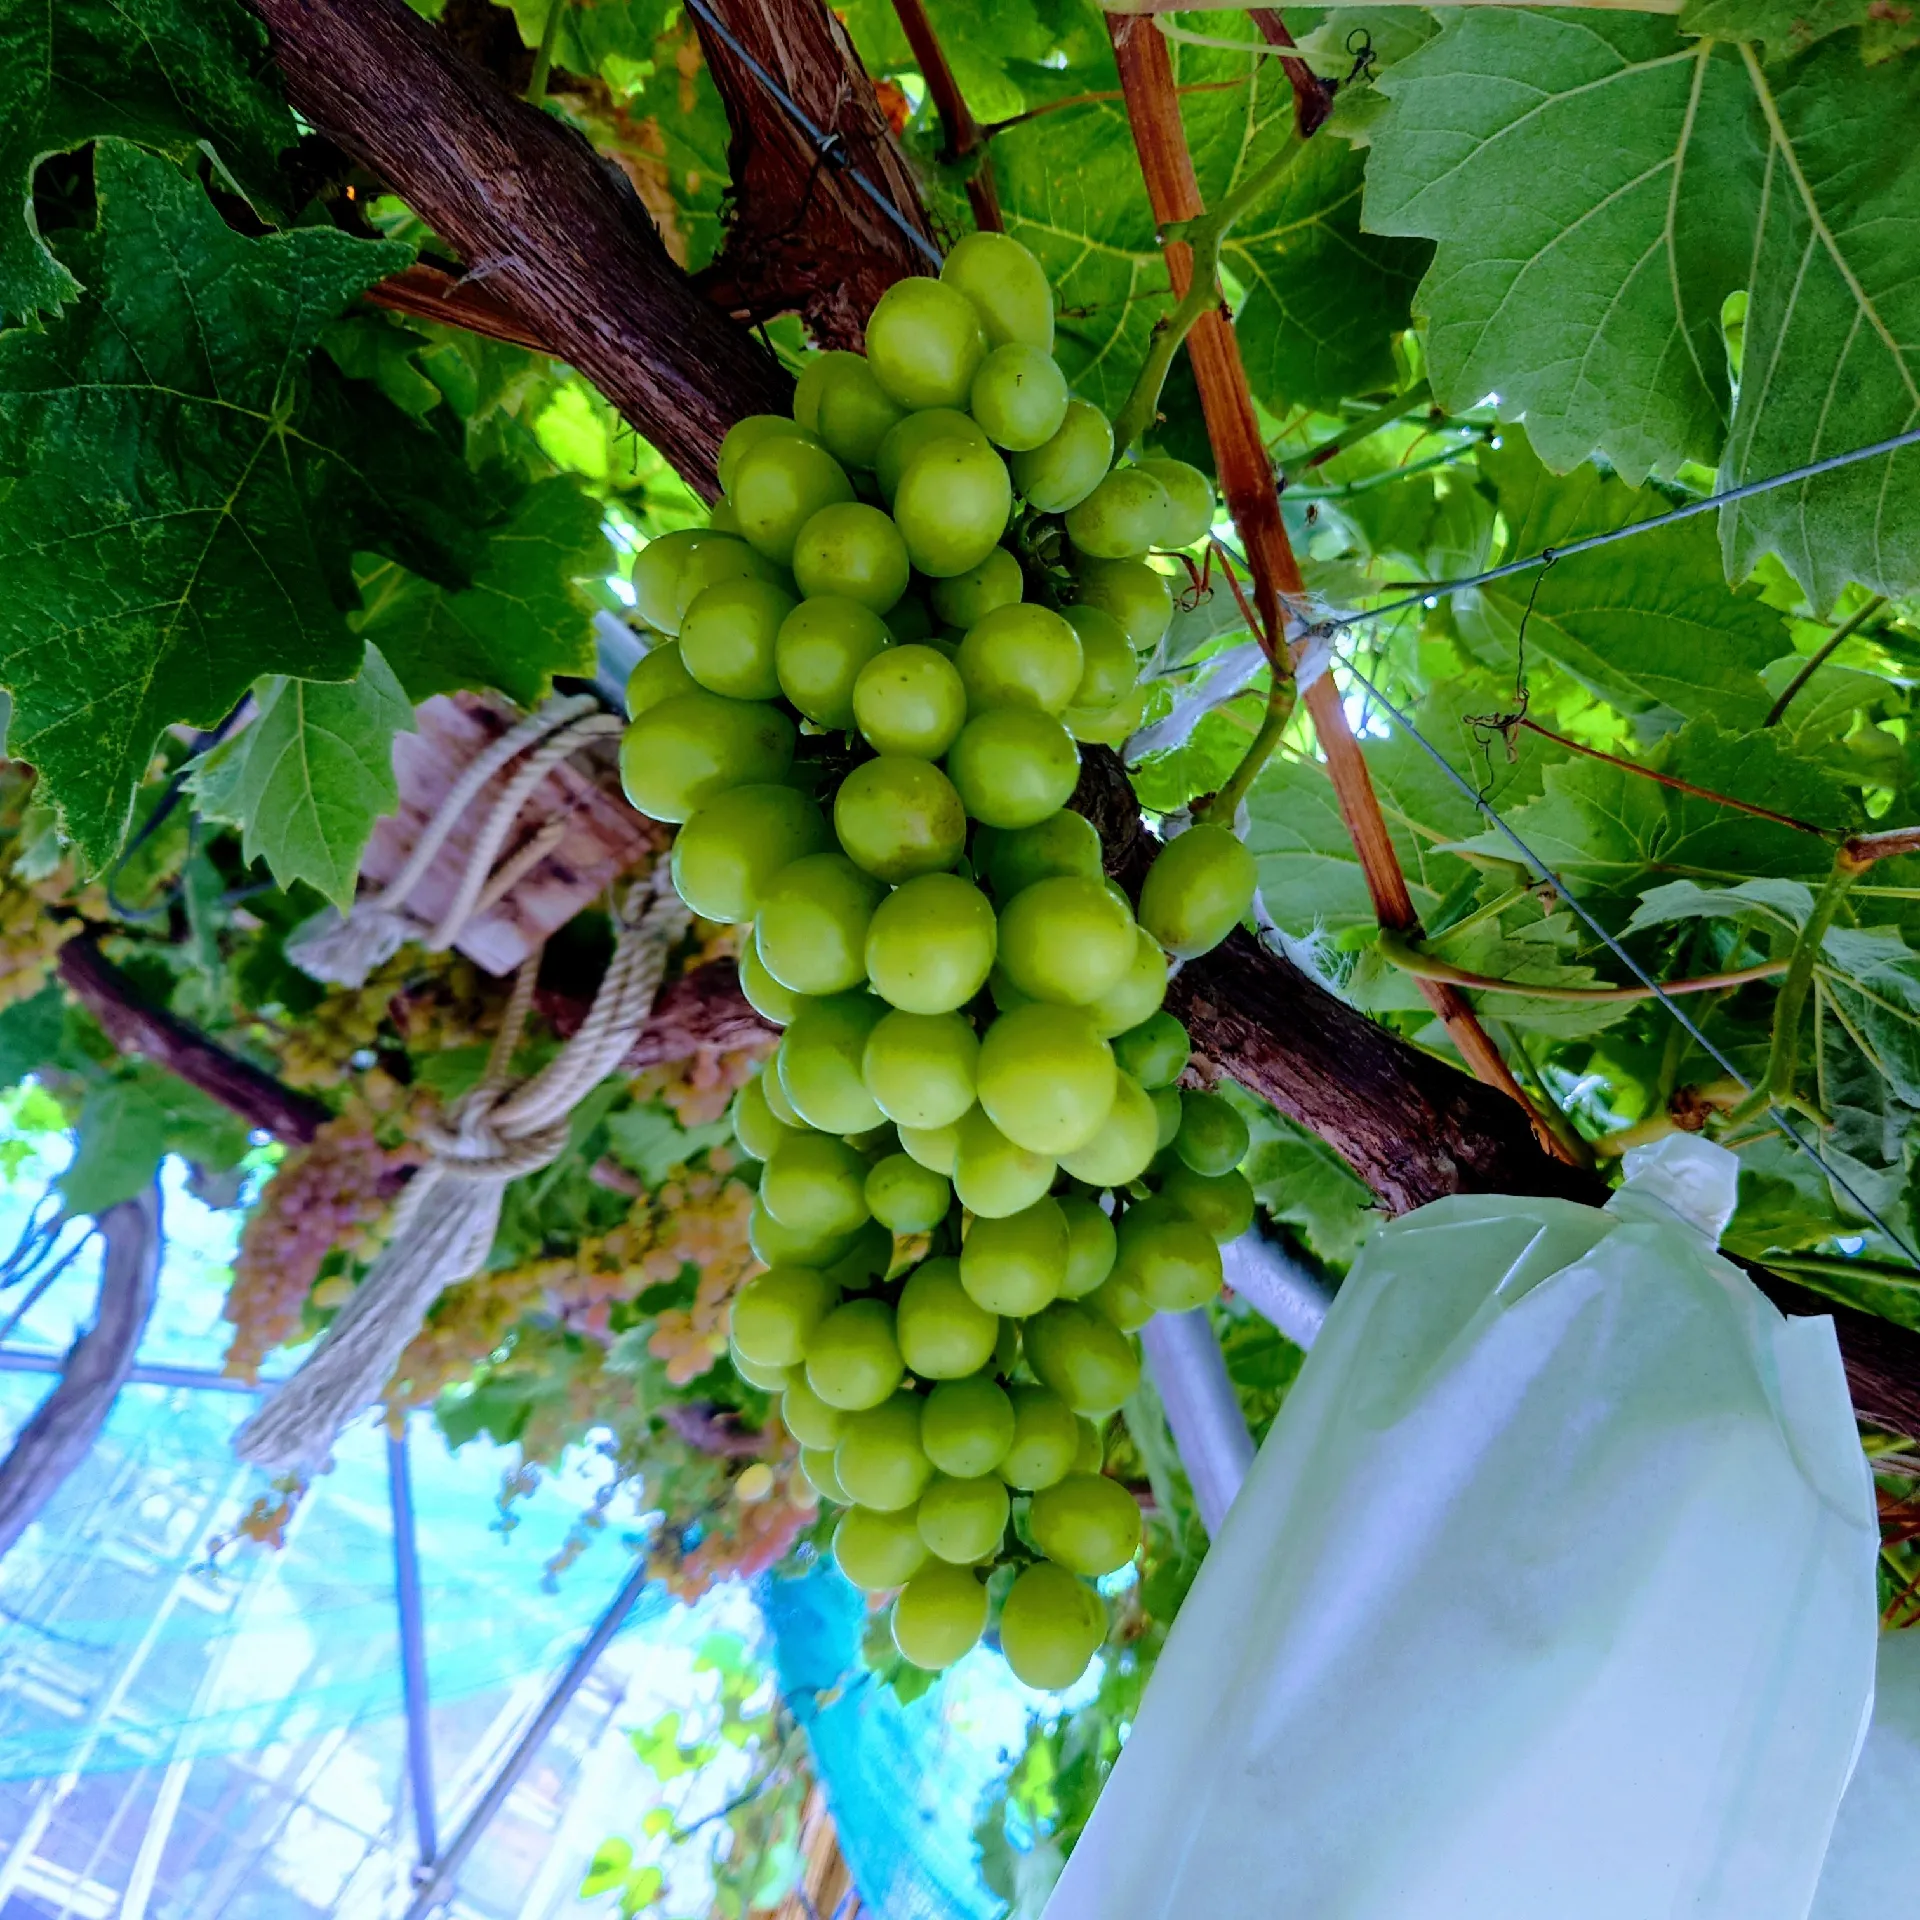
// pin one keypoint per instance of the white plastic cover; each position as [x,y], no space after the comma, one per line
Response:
[1869,1874]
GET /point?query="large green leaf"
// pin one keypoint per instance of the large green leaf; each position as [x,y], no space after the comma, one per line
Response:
[167,74]
[129,1123]
[183,484]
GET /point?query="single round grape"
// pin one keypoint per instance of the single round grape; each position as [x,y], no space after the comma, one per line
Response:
[1008,288]
[1066,940]
[1006,996]
[1092,1456]
[853,1360]
[744,435]
[967,1425]
[916,432]
[807,1417]
[944,1333]
[656,576]
[1135,594]
[1107,726]
[812,379]
[816,1463]
[1087,1523]
[726,640]
[1051,1626]
[754,1126]
[1061,473]
[969,597]
[726,855]
[678,755]
[819,1063]
[1020,656]
[819,652]
[1083,1357]
[963,1521]
[952,506]
[812,926]
[816,1184]
[1016,1265]
[1123,1148]
[775,1095]
[1166,1110]
[922,1068]
[1091,1245]
[853,552]
[1213,1138]
[1223,1203]
[1046,1439]
[780,1246]
[1019,396]
[775,1314]
[854,413]
[910,620]
[1108,668]
[878,1551]
[779,486]
[879,1460]
[924,344]
[935,1148]
[721,517]
[1014,766]
[1122,1299]
[1063,843]
[1046,1079]
[906,1197]
[942,1611]
[1190,497]
[930,947]
[659,676]
[909,700]
[1122,517]
[1137,994]
[1156,1052]
[897,817]
[992,1177]
[868,1257]
[765,995]
[1172,1256]
[1198,890]
[713,563]
[756,1374]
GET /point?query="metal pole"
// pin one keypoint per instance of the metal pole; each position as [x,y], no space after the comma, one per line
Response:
[1276,1286]
[23,1360]
[413,1650]
[438,1886]
[1203,1410]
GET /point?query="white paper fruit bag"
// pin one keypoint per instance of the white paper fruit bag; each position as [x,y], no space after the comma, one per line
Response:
[1869,1871]
[1551,1593]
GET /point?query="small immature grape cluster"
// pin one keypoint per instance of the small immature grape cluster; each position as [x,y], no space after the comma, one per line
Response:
[865,726]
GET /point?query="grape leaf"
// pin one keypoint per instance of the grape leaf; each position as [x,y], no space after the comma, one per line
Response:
[183,484]
[129,1123]
[1780,901]
[1791,26]
[614,37]
[1300,1180]
[166,74]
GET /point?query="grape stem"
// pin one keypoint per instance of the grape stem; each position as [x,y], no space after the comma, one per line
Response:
[1419,395]
[961,135]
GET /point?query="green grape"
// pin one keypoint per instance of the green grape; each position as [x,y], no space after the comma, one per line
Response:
[1083,1357]
[852,552]
[755,1374]
[992,1177]
[819,1063]
[967,1425]
[1122,1299]
[816,1463]
[969,597]
[910,700]
[1019,656]
[656,576]
[930,947]
[1107,726]
[714,562]
[944,1333]
[935,1148]
[1108,668]
[867,1259]
[1091,1245]
[906,1197]
[909,621]
[819,652]
[780,1246]
[1212,1138]
[1007,286]
[878,1551]
[963,1521]
[915,433]
[1046,1079]
[1166,1110]
[678,755]
[1014,766]
[721,517]
[754,1126]
[1137,994]
[1125,1145]
[765,995]
[1062,843]
[952,506]
[854,414]
[744,435]
[775,1094]
[775,1314]
[1198,890]
[1135,594]
[1046,1439]
[1016,1264]
[779,486]
[1060,474]
[879,1460]
[726,640]
[922,1068]
[898,817]
[1222,1203]
[659,676]
[807,1417]
[924,344]
[1155,1052]
[1190,496]
[1067,940]
[1019,396]
[1087,1524]
[1122,517]
[816,1184]
[1172,1257]
[1093,1450]
[726,855]
[1006,996]
[812,925]
[1051,1626]
[942,1611]
[812,380]
[853,1360]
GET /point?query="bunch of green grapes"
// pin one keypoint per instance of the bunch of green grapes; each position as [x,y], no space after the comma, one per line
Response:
[865,725]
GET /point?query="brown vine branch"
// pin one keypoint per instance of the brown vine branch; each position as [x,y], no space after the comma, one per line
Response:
[1312,96]
[961,130]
